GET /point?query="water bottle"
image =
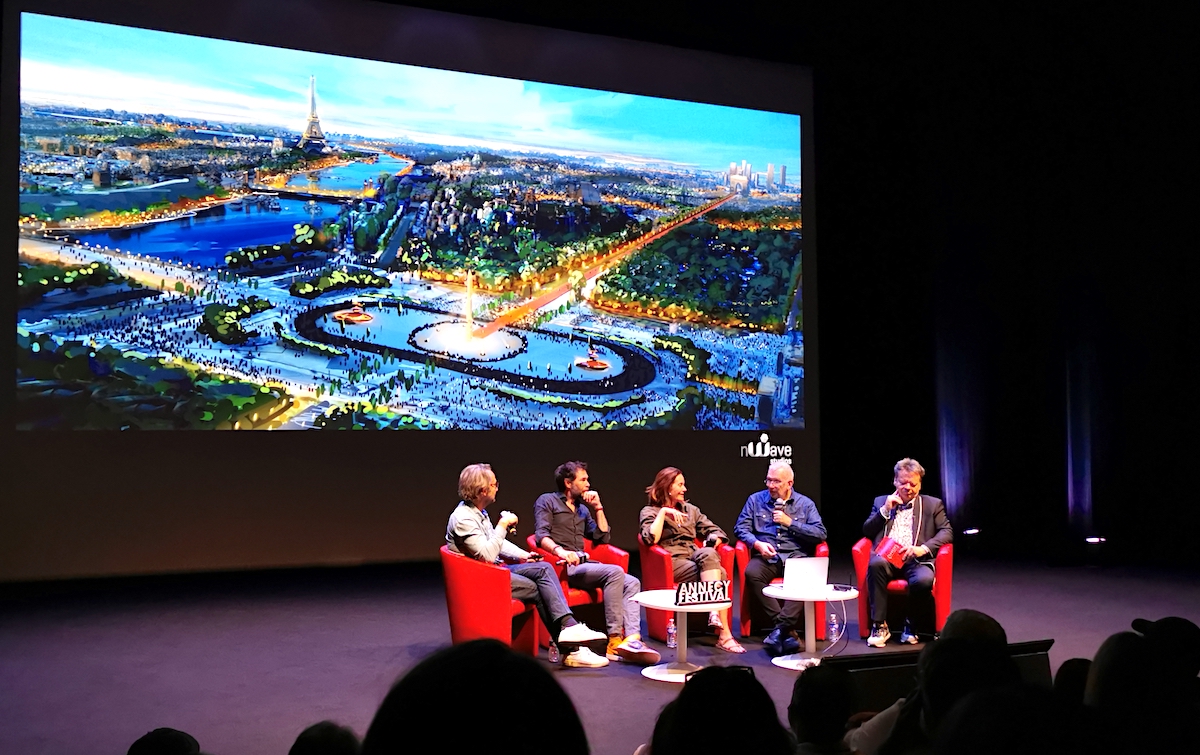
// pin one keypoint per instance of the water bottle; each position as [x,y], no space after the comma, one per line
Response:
[672,634]
[553,652]
[834,631]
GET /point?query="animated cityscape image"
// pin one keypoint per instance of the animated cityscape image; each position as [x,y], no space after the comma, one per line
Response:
[216,235]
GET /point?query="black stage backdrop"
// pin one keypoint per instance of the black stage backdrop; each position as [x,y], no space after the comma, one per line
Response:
[1013,180]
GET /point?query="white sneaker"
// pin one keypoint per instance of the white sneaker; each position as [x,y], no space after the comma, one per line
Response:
[584,658]
[578,634]
[879,635]
[635,651]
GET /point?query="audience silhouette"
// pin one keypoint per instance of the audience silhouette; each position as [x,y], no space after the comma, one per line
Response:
[689,726]
[481,692]
[1141,692]
[326,738]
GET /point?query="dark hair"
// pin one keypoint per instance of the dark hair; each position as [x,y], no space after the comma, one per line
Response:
[326,738]
[688,730]
[165,741]
[1002,720]
[566,473]
[969,624]
[657,492]
[1071,679]
[441,695]
[952,669]
[823,699]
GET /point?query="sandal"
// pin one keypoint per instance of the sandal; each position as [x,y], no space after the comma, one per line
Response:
[731,645]
[714,621]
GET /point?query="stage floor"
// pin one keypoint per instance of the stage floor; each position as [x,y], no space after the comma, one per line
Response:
[244,662]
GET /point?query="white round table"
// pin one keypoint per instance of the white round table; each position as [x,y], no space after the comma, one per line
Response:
[800,661]
[664,600]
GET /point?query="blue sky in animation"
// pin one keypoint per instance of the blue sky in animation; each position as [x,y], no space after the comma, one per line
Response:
[87,64]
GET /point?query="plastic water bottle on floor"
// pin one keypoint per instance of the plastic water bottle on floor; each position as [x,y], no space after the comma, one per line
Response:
[834,631]
[553,651]
[672,634]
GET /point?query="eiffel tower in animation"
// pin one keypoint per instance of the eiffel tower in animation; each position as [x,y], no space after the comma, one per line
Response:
[314,138]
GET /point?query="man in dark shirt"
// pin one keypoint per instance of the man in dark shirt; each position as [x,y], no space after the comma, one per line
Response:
[561,522]
[777,524]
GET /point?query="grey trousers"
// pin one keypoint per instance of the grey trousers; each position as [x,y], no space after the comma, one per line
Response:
[622,613]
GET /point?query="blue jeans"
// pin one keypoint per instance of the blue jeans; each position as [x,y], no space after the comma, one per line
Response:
[537,583]
[622,614]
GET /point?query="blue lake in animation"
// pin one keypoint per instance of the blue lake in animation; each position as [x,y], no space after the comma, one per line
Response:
[205,239]
[346,177]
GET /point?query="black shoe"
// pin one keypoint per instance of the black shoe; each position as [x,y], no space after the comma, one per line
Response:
[791,644]
[773,643]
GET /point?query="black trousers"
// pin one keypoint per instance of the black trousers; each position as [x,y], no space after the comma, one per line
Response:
[920,587]
[785,616]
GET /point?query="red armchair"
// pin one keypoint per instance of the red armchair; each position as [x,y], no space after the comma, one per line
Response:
[604,554]
[480,604]
[742,557]
[943,582]
[657,574]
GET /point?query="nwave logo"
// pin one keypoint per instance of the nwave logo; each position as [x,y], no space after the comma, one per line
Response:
[763,449]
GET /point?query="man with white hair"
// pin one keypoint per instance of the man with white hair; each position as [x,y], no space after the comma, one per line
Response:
[777,524]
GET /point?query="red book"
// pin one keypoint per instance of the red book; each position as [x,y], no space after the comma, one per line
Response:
[891,551]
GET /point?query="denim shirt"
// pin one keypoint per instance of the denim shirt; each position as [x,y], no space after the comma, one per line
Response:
[757,522]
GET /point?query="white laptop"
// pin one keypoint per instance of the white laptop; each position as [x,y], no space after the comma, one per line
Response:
[805,574]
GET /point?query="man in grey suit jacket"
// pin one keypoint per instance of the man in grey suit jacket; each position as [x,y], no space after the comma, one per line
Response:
[918,523]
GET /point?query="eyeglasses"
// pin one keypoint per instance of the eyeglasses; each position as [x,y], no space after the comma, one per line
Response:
[773,481]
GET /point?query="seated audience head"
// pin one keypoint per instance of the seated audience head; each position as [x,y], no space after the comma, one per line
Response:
[1121,677]
[1139,701]
[165,741]
[1070,679]
[475,484]
[823,699]
[949,670]
[661,725]
[692,727]
[969,624]
[326,738]
[441,696]
[1175,644]
[659,492]
[1002,721]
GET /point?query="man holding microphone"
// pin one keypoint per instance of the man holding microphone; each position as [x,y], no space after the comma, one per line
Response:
[777,524]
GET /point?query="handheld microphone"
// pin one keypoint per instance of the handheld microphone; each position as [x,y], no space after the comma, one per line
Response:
[779,504]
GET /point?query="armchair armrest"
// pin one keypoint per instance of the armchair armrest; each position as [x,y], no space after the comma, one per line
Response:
[657,573]
[608,554]
[550,558]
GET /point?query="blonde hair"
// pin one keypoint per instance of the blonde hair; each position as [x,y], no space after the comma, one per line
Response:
[473,480]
